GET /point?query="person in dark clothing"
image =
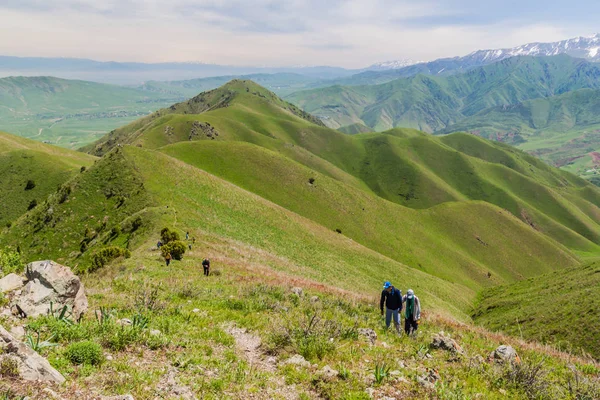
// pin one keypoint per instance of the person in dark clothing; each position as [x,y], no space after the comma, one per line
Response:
[412,312]
[168,259]
[206,266]
[392,298]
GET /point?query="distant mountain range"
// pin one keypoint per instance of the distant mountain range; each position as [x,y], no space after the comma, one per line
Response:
[132,73]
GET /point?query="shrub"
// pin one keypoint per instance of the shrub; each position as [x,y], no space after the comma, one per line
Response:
[82,170]
[32,204]
[86,352]
[10,261]
[106,255]
[9,367]
[168,236]
[29,185]
[176,248]
[311,180]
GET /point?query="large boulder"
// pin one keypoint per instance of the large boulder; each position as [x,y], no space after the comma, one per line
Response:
[30,365]
[10,282]
[50,283]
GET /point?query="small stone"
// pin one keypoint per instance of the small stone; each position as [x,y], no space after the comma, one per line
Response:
[109,358]
[395,373]
[428,356]
[328,372]
[370,334]
[505,354]
[51,394]
[384,345]
[444,342]
[122,397]
[298,291]
[124,322]
[196,310]
[314,299]
[155,332]
[502,392]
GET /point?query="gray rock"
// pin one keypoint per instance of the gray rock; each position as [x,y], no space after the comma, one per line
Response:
[11,282]
[297,360]
[370,334]
[32,367]
[298,291]
[314,299]
[124,322]
[51,283]
[444,342]
[122,397]
[155,332]
[505,354]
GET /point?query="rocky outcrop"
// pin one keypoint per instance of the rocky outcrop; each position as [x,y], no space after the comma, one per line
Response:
[50,284]
[29,364]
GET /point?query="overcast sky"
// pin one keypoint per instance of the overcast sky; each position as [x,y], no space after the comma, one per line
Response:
[352,33]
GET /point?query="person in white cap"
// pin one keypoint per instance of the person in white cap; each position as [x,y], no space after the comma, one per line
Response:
[412,312]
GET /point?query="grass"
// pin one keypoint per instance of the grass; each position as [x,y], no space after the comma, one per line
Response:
[195,346]
[22,160]
[554,308]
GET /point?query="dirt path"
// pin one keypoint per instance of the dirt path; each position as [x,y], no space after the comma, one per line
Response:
[248,346]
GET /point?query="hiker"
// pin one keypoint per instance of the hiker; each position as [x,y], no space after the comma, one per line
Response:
[159,244]
[187,236]
[412,312]
[393,304]
[168,259]
[206,266]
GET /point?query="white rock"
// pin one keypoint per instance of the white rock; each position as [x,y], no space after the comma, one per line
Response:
[11,282]
[297,360]
[17,332]
[32,367]
[155,332]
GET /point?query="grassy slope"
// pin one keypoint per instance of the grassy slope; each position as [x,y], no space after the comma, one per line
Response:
[22,160]
[403,166]
[71,113]
[555,308]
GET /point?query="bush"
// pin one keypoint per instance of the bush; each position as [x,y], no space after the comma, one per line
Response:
[32,204]
[10,261]
[29,185]
[168,236]
[176,248]
[106,255]
[86,352]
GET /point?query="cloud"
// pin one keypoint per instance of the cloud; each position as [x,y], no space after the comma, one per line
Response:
[350,33]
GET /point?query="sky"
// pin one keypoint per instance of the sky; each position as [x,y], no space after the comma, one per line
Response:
[346,33]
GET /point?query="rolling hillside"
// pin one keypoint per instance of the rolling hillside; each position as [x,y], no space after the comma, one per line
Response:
[71,113]
[23,160]
[569,302]
[432,103]
[277,201]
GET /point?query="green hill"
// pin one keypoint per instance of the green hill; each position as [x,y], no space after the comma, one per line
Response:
[562,130]
[277,201]
[23,160]
[403,166]
[432,103]
[555,308]
[71,113]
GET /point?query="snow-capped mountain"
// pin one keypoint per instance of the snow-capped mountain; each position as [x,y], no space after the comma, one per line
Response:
[580,47]
[396,64]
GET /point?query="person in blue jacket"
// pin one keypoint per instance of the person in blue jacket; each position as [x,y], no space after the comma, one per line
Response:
[392,298]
